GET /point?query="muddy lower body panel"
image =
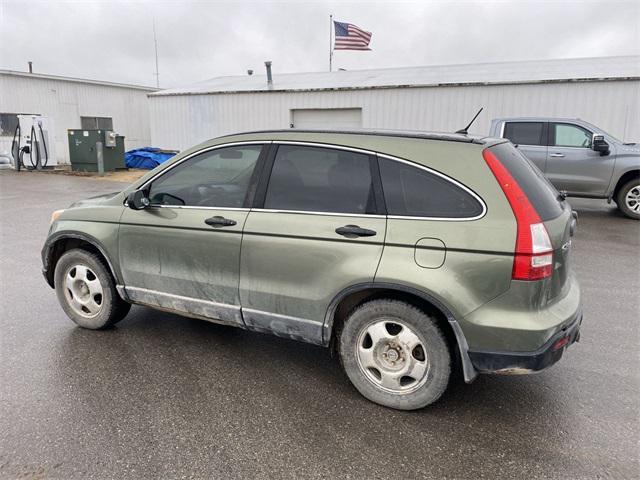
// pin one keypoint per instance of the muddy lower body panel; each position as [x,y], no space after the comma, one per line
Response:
[519,363]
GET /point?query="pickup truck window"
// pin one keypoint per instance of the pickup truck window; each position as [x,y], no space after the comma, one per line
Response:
[569,135]
[525,133]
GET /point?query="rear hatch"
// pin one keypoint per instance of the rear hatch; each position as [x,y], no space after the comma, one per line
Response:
[551,208]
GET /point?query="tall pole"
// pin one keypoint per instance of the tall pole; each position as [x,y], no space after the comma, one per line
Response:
[330,42]
[155,42]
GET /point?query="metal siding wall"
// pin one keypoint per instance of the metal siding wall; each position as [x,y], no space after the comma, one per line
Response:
[182,121]
[65,102]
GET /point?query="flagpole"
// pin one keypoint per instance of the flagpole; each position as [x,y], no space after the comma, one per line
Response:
[155,42]
[330,42]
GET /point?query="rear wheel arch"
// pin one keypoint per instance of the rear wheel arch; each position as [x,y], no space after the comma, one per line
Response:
[350,298]
[59,244]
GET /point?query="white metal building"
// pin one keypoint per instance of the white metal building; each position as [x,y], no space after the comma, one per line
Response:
[604,91]
[71,103]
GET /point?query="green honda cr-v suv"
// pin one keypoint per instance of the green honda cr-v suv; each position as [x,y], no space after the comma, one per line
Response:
[409,254]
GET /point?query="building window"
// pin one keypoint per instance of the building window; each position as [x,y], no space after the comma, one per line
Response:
[96,123]
[8,123]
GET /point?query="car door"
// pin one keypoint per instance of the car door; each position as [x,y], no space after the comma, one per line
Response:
[530,138]
[572,165]
[182,253]
[315,230]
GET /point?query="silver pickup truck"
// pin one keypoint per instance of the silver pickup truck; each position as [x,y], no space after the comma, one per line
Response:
[580,159]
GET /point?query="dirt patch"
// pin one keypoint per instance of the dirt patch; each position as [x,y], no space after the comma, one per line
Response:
[128,176]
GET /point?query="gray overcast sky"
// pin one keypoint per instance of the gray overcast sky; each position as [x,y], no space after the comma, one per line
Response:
[109,40]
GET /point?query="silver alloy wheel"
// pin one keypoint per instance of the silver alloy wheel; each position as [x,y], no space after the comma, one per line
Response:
[83,291]
[632,199]
[392,356]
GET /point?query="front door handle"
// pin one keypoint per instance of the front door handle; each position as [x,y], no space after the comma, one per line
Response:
[352,231]
[219,221]
[556,155]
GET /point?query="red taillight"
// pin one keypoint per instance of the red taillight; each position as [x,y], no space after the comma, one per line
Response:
[533,259]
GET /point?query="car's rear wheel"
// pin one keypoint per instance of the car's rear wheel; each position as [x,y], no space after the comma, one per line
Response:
[395,354]
[86,290]
[628,198]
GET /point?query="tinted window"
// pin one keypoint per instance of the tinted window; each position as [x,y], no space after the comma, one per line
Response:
[525,133]
[567,135]
[320,180]
[542,195]
[412,191]
[218,178]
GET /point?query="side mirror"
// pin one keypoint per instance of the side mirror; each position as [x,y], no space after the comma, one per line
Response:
[138,200]
[600,145]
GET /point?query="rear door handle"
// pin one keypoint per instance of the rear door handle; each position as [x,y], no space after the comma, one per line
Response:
[219,221]
[556,155]
[352,231]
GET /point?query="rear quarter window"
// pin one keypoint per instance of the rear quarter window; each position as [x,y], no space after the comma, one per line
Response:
[415,192]
[542,195]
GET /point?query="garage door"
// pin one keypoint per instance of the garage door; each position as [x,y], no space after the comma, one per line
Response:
[328,118]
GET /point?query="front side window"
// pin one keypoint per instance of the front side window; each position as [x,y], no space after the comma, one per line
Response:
[217,178]
[415,192]
[525,133]
[320,180]
[568,135]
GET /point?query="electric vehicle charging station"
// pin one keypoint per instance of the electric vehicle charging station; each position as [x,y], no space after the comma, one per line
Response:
[33,145]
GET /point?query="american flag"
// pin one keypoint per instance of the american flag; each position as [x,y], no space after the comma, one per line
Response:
[350,37]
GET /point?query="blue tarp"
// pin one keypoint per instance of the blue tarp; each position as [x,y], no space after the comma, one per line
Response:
[147,157]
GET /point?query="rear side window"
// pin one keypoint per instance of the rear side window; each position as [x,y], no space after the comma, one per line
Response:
[415,192]
[320,180]
[542,195]
[525,133]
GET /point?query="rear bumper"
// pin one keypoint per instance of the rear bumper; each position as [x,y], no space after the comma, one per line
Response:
[516,363]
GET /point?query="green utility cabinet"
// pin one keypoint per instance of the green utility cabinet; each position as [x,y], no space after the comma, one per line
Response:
[83,150]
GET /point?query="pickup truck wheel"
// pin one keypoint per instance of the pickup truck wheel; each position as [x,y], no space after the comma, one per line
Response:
[628,199]
[86,290]
[395,355]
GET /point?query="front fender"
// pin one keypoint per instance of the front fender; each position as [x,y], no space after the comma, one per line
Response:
[48,253]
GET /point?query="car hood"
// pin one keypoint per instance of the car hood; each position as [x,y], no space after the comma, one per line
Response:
[629,148]
[97,200]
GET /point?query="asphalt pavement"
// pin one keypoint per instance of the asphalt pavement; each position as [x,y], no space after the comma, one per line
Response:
[161,396]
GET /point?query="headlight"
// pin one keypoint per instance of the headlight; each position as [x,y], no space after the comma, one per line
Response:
[55,215]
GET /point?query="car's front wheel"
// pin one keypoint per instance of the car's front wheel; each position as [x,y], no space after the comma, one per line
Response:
[395,354]
[628,198]
[86,290]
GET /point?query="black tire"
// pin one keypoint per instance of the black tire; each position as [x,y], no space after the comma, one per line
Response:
[621,199]
[110,308]
[353,339]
